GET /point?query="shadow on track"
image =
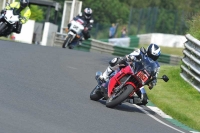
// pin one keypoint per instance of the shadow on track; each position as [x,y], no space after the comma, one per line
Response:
[127,107]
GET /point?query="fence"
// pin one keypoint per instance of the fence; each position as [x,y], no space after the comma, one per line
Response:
[191,62]
[105,47]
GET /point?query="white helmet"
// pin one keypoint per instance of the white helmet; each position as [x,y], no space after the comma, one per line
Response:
[153,51]
[87,13]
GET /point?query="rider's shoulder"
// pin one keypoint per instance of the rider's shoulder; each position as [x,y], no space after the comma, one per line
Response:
[135,52]
[28,8]
[13,4]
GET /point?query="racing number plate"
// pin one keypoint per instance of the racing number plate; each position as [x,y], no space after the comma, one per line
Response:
[75,27]
[142,76]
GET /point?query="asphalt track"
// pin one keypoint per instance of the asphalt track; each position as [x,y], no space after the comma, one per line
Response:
[46,90]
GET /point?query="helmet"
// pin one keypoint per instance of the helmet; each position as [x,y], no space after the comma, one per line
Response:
[87,13]
[153,51]
[24,3]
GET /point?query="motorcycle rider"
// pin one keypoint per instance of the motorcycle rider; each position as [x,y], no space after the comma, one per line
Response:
[24,12]
[153,51]
[86,16]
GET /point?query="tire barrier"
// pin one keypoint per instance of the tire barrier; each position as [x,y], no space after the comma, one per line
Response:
[93,45]
[190,67]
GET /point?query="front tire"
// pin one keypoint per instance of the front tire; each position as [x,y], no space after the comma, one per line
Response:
[115,100]
[2,28]
[67,41]
[96,94]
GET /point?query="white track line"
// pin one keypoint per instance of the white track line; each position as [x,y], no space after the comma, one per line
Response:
[71,67]
[143,110]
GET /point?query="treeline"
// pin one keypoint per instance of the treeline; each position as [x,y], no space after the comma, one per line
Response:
[142,16]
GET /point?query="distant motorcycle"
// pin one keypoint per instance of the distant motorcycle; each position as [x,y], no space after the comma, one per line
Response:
[124,84]
[74,33]
[7,19]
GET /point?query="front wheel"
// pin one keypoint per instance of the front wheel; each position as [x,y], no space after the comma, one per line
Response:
[2,28]
[117,98]
[96,94]
[67,41]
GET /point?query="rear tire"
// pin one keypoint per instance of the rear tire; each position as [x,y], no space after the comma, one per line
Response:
[67,41]
[112,102]
[96,94]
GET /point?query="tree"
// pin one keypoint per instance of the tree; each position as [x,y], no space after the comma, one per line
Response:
[194,26]
[37,13]
[108,11]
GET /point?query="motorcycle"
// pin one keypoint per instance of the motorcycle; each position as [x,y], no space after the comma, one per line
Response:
[74,33]
[7,19]
[126,82]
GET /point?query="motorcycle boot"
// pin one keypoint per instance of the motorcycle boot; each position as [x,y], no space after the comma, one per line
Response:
[106,74]
[138,101]
[143,95]
[144,99]
[80,41]
[140,98]
[134,100]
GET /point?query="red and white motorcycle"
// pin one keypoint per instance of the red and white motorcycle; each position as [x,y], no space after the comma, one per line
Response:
[124,84]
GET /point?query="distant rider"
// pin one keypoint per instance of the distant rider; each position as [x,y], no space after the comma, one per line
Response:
[153,51]
[86,16]
[22,9]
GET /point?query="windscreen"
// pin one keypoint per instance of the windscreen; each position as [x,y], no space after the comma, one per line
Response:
[147,64]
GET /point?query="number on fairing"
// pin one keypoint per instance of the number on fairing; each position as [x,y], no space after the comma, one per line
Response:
[75,27]
[142,76]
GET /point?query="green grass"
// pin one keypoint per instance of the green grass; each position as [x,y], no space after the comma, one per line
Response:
[176,97]
[4,38]
[168,50]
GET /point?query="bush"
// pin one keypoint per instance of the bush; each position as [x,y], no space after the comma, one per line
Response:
[194,26]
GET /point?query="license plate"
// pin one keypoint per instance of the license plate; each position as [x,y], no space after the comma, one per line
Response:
[142,76]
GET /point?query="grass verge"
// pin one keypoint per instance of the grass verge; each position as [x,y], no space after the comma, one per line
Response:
[176,97]
[5,38]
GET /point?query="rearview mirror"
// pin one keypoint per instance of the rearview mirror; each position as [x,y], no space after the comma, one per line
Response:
[165,78]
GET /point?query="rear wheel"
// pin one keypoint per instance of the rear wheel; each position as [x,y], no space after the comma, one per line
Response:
[96,94]
[67,41]
[119,97]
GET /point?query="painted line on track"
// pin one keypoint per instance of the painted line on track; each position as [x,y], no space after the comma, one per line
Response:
[71,67]
[146,112]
